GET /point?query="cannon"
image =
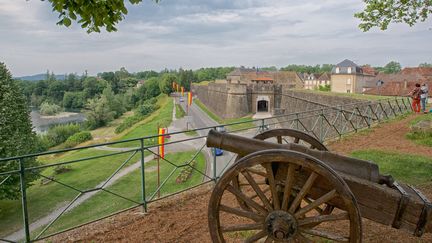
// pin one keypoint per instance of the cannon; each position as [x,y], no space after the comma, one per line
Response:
[285,186]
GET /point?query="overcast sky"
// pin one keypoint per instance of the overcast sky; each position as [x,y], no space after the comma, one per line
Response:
[196,33]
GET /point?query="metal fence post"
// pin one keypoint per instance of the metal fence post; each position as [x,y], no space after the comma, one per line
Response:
[321,125]
[143,192]
[214,164]
[262,125]
[24,200]
[297,121]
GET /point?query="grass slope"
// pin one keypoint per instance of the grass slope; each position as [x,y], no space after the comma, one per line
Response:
[408,168]
[130,187]
[422,138]
[43,199]
[162,117]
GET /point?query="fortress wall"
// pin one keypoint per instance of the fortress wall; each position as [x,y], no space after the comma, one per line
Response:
[225,100]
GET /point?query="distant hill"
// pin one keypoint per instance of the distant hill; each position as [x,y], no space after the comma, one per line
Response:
[41,76]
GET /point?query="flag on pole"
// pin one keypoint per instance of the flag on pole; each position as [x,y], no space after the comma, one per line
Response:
[190,98]
[161,142]
[182,91]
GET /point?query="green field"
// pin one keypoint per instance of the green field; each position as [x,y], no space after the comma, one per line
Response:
[422,138]
[408,168]
[148,127]
[247,119]
[130,187]
[43,199]
[180,113]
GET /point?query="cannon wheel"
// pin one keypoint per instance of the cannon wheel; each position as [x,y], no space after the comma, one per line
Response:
[296,135]
[274,216]
[287,135]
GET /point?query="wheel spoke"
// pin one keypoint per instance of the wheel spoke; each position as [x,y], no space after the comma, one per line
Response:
[241,227]
[326,235]
[318,209]
[248,201]
[325,198]
[272,183]
[305,189]
[255,171]
[289,182]
[257,236]
[258,190]
[268,240]
[279,139]
[322,218]
[242,213]
[265,190]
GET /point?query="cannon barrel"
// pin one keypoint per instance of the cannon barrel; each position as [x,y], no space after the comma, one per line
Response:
[243,146]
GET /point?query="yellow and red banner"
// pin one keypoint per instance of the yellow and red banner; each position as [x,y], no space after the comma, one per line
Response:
[190,98]
[174,85]
[161,142]
[182,91]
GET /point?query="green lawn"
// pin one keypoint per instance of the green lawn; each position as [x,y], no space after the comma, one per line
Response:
[130,186]
[247,119]
[422,138]
[147,127]
[43,199]
[408,168]
[180,113]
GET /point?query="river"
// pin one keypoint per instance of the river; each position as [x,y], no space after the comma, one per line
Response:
[42,123]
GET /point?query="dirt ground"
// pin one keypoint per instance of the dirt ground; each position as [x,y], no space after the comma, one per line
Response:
[183,218]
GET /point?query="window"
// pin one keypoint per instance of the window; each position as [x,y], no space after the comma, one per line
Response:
[349,70]
[337,69]
[348,91]
[348,81]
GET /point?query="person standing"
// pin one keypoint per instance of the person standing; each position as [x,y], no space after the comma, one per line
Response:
[415,95]
[423,97]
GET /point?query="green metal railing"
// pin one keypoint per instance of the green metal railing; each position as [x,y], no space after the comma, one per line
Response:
[324,124]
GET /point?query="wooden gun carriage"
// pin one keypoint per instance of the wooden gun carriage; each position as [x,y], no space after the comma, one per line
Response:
[285,186]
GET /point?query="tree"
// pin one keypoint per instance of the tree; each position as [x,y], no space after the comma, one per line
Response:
[425,64]
[98,112]
[392,67]
[165,84]
[92,14]
[114,103]
[16,135]
[380,13]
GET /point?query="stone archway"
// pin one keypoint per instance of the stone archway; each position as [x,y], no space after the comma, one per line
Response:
[262,106]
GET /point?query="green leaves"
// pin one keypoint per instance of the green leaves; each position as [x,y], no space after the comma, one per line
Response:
[92,14]
[380,13]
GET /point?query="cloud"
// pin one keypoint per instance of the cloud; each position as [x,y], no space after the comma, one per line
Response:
[195,33]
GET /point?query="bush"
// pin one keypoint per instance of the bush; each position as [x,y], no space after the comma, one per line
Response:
[146,109]
[48,109]
[325,87]
[185,173]
[141,112]
[77,138]
[60,133]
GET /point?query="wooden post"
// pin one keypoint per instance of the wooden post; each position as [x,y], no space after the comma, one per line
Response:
[158,163]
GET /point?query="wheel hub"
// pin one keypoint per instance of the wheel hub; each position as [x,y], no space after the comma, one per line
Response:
[281,225]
